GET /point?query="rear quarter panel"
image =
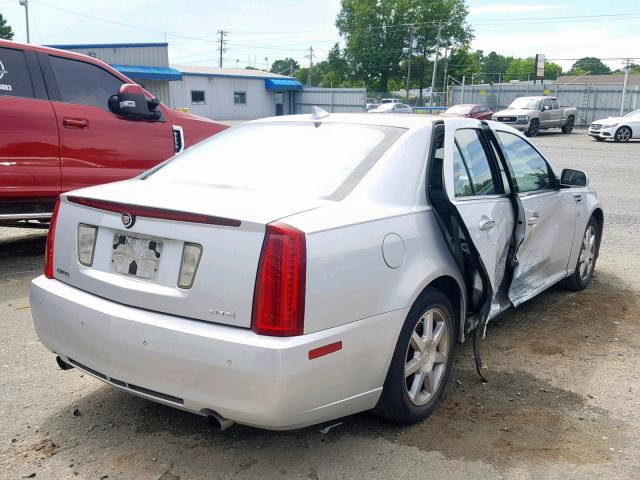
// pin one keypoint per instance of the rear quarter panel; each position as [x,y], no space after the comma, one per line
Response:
[348,278]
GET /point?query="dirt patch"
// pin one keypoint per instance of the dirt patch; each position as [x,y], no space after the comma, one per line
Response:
[545,348]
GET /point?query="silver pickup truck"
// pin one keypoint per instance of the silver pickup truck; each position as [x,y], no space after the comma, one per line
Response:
[532,114]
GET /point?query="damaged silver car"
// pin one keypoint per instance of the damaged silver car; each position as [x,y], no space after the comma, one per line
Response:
[284,287]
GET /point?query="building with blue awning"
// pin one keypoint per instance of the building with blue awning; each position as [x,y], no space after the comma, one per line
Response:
[216,93]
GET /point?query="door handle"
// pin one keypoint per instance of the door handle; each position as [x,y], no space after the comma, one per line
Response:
[533,219]
[75,122]
[486,224]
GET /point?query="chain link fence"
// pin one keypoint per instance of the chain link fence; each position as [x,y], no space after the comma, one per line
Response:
[593,101]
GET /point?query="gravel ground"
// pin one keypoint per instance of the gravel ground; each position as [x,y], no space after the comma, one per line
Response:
[562,399]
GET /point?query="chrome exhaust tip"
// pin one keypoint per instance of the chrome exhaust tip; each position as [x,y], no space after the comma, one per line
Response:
[62,364]
[218,421]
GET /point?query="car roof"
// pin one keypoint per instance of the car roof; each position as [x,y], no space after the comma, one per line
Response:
[402,120]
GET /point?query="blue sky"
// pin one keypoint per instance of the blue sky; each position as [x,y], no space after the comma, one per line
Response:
[262,31]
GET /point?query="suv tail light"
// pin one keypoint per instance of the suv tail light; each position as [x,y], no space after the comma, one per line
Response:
[48,251]
[278,302]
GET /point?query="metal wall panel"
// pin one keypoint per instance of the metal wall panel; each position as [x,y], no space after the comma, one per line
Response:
[159,88]
[330,99]
[146,56]
[219,103]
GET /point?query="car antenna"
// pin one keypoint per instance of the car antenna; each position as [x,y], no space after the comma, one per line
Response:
[318,113]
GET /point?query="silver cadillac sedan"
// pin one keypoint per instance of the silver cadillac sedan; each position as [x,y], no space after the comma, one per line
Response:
[293,270]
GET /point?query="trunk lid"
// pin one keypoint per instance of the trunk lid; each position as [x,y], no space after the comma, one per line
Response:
[223,286]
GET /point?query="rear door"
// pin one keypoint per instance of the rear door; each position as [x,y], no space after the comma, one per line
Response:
[29,149]
[545,234]
[476,189]
[96,146]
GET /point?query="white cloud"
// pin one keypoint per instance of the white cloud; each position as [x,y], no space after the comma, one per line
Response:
[513,8]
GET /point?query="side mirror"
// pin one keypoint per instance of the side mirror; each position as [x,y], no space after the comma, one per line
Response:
[545,108]
[573,178]
[131,102]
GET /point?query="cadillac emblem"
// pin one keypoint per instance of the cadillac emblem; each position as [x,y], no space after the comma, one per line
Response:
[128,220]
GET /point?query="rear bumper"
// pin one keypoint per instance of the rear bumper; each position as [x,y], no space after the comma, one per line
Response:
[197,366]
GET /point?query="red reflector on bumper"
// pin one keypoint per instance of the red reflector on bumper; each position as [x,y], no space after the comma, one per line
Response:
[325,350]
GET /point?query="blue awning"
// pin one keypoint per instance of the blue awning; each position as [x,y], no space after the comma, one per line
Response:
[278,84]
[149,73]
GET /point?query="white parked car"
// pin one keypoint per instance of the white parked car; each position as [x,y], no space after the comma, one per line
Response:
[392,108]
[620,129]
[282,287]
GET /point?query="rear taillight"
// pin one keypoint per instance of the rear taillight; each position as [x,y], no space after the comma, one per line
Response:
[278,302]
[48,252]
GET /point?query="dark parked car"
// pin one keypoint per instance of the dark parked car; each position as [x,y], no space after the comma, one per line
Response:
[468,110]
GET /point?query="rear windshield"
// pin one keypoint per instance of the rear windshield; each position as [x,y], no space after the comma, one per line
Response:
[459,109]
[323,160]
[526,103]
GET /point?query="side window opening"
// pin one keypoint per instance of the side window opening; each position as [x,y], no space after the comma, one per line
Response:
[531,171]
[84,83]
[472,161]
[15,80]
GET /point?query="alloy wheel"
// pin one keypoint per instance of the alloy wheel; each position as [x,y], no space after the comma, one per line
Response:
[623,134]
[587,253]
[426,359]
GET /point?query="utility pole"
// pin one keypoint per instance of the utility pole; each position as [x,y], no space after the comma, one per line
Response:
[435,65]
[310,57]
[223,42]
[624,87]
[446,74]
[409,52]
[25,4]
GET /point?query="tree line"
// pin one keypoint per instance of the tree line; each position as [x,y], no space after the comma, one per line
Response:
[375,32]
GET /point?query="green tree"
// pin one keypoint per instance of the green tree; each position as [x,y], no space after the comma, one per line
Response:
[6,31]
[633,68]
[494,65]
[285,66]
[523,69]
[589,64]
[376,31]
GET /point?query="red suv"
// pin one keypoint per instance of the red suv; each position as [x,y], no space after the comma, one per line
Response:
[69,121]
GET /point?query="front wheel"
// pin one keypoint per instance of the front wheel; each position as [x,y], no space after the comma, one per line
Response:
[421,364]
[589,247]
[534,128]
[568,125]
[622,135]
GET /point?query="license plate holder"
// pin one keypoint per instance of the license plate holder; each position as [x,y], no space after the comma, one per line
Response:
[136,256]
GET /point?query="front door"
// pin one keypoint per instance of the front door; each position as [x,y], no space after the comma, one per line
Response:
[545,234]
[546,114]
[96,146]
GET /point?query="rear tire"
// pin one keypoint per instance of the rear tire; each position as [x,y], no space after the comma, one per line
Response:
[622,135]
[586,263]
[534,128]
[421,365]
[568,125]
